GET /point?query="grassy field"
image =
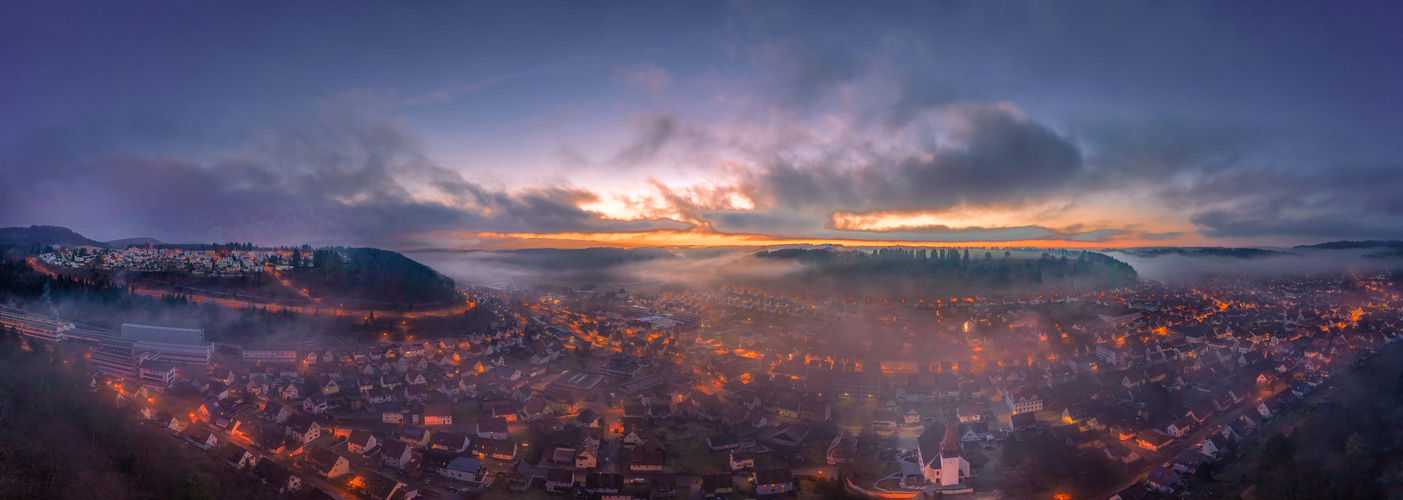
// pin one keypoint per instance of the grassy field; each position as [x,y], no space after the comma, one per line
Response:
[467,411]
[693,456]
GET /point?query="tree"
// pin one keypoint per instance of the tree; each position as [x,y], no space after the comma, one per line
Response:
[1007,254]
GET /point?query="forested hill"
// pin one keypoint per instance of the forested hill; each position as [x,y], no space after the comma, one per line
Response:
[373,275]
[900,272]
[1236,253]
[1353,245]
[44,235]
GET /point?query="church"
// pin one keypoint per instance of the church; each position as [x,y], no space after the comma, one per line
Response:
[942,459]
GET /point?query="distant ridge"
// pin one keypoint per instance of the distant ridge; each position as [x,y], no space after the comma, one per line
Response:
[1236,253]
[1350,244]
[126,242]
[45,235]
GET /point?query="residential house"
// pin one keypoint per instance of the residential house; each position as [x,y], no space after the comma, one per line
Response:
[303,429]
[276,476]
[559,481]
[741,460]
[774,481]
[274,412]
[315,404]
[395,454]
[328,463]
[1133,492]
[201,437]
[492,428]
[715,485]
[449,441]
[842,449]
[438,414]
[587,456]
[361,441]
[1152,440]
[648,457]
[416,436]
[378,487]
[238,457]
[502,449]
[1164,478]
[1022,399]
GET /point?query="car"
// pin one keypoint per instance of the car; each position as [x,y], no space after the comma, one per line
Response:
[592,397]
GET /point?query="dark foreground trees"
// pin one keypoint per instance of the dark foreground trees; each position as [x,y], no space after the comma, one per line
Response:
[61,439]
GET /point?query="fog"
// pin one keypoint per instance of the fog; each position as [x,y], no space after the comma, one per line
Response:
[616,267]
[1179,268]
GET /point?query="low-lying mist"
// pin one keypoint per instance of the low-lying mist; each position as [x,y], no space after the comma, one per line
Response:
[1185,268]
[887,272]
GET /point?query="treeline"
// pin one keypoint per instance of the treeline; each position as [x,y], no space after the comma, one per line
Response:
[20,281]
[921,272]
[1234,253]
[59,438]
[1350,244]
[375,275]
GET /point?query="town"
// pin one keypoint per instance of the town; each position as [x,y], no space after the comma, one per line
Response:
[146,258]
[737,393]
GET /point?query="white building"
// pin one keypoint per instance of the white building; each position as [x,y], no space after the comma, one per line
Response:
[1022,399]
[942,459]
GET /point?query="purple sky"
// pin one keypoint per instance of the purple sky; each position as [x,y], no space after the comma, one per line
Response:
[570,123]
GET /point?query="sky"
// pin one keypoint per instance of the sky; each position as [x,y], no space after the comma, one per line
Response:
[575,124]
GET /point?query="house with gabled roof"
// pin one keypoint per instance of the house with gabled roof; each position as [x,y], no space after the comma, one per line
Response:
[327,463]
[238,457]
[303,429]
[361,441]
[395,454]
[774,481]
[275,475]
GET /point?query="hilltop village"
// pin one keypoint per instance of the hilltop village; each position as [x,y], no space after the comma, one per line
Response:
[736,393]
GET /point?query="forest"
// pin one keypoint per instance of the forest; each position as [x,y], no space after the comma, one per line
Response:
[904,272]
[370,276]
[61,438]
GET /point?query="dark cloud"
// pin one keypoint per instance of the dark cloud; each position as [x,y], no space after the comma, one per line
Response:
[800,74]
[653,134]
[1344,202]
[994,156]
[1123,149]
[341,177]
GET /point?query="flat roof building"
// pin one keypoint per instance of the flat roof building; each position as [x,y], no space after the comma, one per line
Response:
[174,345]
[35,327]
[163,334]
[577,382]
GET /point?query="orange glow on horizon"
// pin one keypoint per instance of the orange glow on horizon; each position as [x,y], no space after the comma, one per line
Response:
[672,238]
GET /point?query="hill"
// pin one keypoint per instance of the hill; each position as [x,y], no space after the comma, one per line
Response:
[372,276]
[1352,245]
[126,242]
[45,235]
[1235,253]
[901,272]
